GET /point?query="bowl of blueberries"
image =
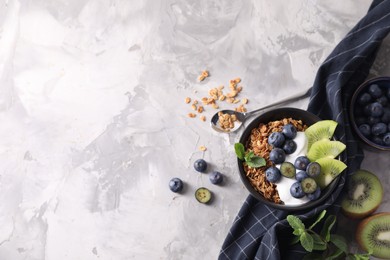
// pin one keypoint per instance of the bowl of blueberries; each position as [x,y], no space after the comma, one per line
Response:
[370,113]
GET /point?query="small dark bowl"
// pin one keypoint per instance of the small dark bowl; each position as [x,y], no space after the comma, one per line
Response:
[354,106]
[277,114]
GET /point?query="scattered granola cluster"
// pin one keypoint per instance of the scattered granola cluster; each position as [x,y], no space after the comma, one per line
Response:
[216,95]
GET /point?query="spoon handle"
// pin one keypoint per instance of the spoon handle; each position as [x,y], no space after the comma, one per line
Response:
[296,97]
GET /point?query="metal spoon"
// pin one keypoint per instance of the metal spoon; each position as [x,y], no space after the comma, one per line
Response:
[241,117]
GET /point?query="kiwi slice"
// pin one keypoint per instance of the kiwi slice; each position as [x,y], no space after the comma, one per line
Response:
[203,195]
[372,234]
[325,148]
[321,130]
[364,195]
[330,169]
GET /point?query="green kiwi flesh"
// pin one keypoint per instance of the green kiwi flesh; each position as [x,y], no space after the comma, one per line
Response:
[364,195]
[325,148]
[330,169]
[323,129]
[373,234]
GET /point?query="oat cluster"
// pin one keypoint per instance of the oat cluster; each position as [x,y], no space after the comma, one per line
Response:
[226,121]
[216,95]
[258,143]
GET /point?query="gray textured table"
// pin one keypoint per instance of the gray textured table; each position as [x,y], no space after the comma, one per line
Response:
[94,123]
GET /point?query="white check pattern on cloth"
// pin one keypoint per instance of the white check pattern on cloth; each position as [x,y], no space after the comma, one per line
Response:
[261,232]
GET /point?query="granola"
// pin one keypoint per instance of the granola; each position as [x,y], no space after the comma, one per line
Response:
[258,143]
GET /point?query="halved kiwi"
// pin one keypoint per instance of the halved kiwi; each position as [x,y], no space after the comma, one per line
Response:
[325,148]
[365,193]
[330,169]
[323,129]
[373,234]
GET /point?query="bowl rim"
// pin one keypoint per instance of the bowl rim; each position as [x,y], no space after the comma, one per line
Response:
[355,94]
[254,193]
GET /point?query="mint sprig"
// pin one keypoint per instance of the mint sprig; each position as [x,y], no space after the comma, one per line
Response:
[325,244]
[249,157]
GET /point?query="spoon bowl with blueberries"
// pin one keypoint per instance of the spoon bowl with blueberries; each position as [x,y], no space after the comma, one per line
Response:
[370,113]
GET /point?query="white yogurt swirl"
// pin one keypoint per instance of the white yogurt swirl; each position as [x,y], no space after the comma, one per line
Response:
[284,184]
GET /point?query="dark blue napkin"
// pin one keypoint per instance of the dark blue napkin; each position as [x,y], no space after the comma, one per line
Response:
[261,232]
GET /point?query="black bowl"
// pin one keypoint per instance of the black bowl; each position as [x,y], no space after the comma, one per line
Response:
[355,108]
[277,114]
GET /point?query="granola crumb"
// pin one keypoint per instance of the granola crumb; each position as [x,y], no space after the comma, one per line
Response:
[200,109]
[203,75]
[202,148]
[193,106]
[192,115]
[244,100]
[203,118]
[187,100]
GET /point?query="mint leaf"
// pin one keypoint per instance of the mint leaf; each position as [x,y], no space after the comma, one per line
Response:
[318,242]
[249,155]
[240,150]
[296,224]
[294,240]
[339,242]
[319,218]
[329,223]
[336,254]
[256,161]
[307,241]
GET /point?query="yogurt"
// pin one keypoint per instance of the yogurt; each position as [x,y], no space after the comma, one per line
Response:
[284,184]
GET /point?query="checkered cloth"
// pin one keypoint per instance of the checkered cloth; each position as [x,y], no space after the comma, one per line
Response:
[261,232]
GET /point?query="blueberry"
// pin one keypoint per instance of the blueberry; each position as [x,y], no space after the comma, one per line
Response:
[364,99]
[276,139]
[287,169]
[376,109]
[313,169]
[373,120]
[176,185]
[386,116]
[301,175]
[216,177]
[200,165]
[386,139]
[290,146]
[382,100]
[378,129]
[301,163]
[375,91]
[360,120]
[296,190]
[277,155]
[289,131]
[377,140]
[309,185]
[315,195]
[365,129]
[272,174]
